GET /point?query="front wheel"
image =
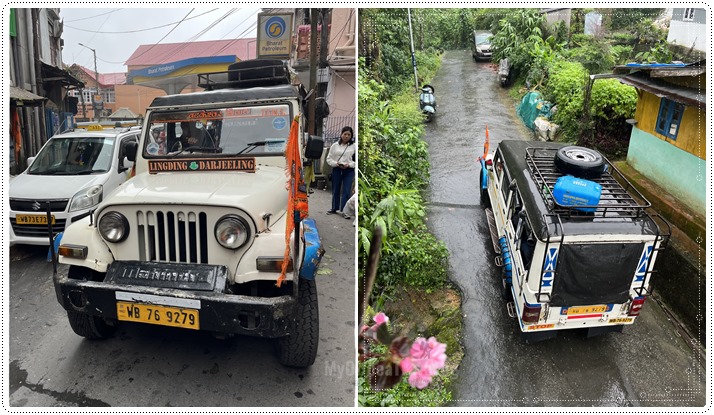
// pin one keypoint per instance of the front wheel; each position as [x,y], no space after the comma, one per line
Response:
[299,348]
[91,327]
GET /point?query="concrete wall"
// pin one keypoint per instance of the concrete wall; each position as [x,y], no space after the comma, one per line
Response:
[135,97]
[677,171]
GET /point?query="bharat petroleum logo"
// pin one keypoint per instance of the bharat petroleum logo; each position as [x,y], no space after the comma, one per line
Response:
[275,27]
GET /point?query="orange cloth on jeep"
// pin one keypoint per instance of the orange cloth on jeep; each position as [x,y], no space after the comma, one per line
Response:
[297,197]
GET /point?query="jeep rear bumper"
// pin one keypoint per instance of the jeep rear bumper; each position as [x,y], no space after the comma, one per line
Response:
[217,311]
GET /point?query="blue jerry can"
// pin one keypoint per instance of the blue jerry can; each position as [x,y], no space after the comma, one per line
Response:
[572,191]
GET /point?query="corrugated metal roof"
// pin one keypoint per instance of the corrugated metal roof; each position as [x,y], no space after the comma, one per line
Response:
[20,94]
[687,96]
[105,79]
[148,55]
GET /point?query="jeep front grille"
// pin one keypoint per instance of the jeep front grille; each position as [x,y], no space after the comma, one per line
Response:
[173,236]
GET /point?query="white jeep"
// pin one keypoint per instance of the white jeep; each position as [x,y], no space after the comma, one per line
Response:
[196,239]
[574,240]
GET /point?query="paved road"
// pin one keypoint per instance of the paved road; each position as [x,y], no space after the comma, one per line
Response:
[147,365]
[648,364]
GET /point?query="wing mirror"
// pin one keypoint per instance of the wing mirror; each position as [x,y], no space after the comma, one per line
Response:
[314,147]
[130,150]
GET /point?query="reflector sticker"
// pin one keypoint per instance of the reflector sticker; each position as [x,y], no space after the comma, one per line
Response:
[540,327]
[549,268]
[642,266]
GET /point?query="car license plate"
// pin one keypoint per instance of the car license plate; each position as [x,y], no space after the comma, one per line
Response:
[33,219]
[620,320]
[157,314]
[588,309]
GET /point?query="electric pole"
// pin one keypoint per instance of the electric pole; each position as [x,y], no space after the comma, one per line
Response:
[324,46]
[411,42]
[96,82]
[313,71]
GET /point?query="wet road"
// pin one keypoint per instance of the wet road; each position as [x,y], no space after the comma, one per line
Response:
[153,366]
[648,364]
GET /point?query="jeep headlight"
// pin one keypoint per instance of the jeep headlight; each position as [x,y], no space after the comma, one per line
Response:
[113,226]
[231,232]
[86,198]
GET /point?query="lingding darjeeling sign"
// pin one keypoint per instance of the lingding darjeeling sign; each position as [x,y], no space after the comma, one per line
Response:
[275,33]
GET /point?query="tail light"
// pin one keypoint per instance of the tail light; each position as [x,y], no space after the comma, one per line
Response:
[636,306]
[531,313]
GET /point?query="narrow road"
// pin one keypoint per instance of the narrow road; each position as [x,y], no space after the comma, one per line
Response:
[154,366]
[649,364]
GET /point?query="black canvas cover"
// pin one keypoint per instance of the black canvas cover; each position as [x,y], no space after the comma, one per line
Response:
[590,274]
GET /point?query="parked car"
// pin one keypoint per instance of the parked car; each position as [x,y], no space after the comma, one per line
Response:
[481,47]
[72,173]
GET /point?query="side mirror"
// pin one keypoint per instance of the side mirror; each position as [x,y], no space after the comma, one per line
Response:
[130,150]
[30,160]
[126,164]
[314,147]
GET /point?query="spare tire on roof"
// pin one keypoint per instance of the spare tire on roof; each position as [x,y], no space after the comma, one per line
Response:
[580,162]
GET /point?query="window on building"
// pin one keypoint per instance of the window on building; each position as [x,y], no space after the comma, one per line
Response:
[108,95]
[669,118]
[688,15]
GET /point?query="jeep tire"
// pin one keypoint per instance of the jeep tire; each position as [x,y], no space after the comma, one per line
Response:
[91,327]
[299,348]
[579,161]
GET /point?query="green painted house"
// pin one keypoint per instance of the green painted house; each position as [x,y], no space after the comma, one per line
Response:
[668,140]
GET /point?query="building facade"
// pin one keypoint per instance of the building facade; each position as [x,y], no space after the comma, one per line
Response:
[40,103]
[688,28]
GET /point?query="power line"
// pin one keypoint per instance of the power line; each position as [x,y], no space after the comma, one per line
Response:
[91,17]
[141,30]
[174,28]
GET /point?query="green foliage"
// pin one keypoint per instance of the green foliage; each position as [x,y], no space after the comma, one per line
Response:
[621,54]
[612,99]
[565,88]
[517,34]
[626,18]
[401,395]
[591,52]
[418,259]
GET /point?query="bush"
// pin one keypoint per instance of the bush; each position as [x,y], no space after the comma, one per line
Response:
[417,259]
[565,89]
[591,52]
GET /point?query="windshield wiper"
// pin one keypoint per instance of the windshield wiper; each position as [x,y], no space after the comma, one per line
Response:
[250,147]
[83,172]
[191,149]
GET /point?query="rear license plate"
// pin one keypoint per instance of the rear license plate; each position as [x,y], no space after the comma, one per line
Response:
[588,309]
[157,314]
[620,320]
[33,219]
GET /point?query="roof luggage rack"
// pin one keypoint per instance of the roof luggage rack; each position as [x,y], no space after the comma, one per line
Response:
[247,74]
[615,200]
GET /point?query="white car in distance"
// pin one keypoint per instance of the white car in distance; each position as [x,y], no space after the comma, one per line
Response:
[72,173]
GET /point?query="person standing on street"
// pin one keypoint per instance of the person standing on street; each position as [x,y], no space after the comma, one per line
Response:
[341,159]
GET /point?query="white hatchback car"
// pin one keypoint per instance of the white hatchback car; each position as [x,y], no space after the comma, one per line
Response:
[72,173]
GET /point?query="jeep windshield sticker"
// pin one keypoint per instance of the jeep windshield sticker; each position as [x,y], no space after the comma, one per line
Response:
[275,144]
[210,164]
[280,123]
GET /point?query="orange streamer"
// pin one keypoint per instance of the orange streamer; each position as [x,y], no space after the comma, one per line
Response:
[297,197]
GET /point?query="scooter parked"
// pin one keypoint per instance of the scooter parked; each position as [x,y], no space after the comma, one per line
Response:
[427,102]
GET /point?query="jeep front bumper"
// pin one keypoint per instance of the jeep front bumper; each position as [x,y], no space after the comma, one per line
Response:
[216,310]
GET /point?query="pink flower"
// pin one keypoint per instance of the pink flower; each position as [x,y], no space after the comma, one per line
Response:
[429,355]
[406,365]
[420,379]
[380,318]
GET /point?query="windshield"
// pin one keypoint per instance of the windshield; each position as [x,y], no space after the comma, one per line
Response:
[74,155]
[483,38]
[259,131]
